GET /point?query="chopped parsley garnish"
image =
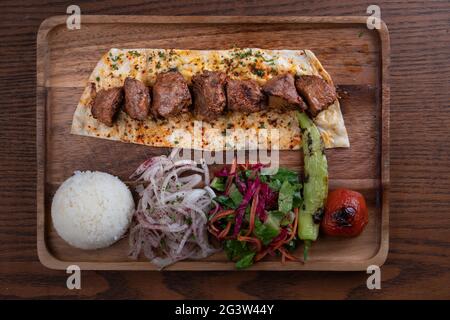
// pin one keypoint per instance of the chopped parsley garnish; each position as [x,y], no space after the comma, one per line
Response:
[114,59]
[244,54]
[161,54]
[97,79]
[158,65]
[114,67]
[258,72]
[135,53]
[269,61]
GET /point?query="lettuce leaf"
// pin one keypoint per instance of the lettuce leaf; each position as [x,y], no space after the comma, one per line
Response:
[235,195]
[225,202]
[236,250]
[218,183]
[268,230]
[286,197]
[246,261]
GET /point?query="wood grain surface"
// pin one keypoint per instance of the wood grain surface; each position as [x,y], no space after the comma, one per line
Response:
[357,56]
[418,263]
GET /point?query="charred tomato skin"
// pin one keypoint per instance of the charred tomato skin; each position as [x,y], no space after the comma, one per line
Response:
[346,214]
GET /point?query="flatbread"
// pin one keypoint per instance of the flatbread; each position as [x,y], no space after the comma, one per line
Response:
[230,131]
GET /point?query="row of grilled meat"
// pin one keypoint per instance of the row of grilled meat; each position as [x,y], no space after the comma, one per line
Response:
[212,94]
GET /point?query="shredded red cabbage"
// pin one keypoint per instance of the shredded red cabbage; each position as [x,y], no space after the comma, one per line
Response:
[260,208]
[271,197]
[256,166]
[242,187]
[240,211]
[222,172]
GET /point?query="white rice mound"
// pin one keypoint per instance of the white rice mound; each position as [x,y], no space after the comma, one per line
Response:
[92,210]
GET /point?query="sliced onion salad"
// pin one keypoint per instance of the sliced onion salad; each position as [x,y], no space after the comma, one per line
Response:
[170,221]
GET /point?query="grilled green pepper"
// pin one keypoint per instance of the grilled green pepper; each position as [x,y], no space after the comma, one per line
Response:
[315,187]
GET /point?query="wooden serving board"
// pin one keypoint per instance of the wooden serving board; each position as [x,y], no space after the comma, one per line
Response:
[356,58]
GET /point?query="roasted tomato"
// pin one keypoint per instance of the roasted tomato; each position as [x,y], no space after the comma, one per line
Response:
[345,213]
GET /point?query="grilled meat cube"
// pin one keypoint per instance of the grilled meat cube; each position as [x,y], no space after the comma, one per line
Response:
[171,95]
[106,104]
[318,93]
[282,93]
[209,94]
[137,99]
[245,96]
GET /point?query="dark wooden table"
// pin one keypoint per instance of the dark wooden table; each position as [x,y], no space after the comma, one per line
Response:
[418,265]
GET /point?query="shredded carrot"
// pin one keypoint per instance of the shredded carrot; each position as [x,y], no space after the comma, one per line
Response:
[288,255]
[220,215]
[261,255]
[278,245]
[213,227]
[291,257]
[294,229]
[213,232]
[231,176]
[256,241]
[225,231]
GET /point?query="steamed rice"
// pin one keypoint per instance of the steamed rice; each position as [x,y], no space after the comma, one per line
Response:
[92,210]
